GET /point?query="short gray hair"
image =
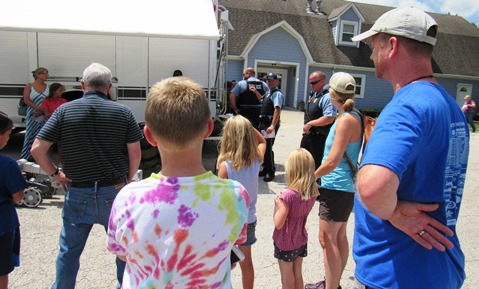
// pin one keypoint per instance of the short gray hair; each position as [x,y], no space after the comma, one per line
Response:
[97,76]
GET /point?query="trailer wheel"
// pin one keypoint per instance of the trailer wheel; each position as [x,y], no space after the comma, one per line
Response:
[150,156]
[32,197]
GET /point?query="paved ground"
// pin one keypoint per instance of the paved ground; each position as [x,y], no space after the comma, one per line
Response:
[41,227]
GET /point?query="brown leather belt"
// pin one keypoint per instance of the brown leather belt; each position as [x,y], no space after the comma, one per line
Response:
[98,184]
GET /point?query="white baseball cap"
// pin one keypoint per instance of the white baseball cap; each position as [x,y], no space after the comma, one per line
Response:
[408,22]
[342,82]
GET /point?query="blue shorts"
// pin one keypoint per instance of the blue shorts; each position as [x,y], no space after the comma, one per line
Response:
[6,253]
[250,235]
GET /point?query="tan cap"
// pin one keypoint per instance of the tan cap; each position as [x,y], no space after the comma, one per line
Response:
[408,22]
[342,82]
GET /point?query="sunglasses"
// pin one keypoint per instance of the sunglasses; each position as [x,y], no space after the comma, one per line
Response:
[316,82]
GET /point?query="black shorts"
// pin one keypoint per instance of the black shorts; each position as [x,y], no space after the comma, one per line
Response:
[334,205]
[290,256]
[6,253]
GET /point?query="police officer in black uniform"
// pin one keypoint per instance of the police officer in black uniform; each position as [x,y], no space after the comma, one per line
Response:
[319,116]
[269,123]
[245,97]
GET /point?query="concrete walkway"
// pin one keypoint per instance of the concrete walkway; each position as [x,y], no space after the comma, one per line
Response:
[41,228]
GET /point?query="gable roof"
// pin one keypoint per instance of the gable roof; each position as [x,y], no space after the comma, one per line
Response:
[455,52]
[340,11]
[283,24]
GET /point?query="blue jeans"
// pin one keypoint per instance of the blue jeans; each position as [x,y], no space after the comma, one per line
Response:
[470,120]
[83,208]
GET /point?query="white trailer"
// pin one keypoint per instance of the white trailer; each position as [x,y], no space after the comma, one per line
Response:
[141,42]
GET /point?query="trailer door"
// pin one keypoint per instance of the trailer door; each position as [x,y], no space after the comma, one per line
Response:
[191,56]
[15,71]
[67,55]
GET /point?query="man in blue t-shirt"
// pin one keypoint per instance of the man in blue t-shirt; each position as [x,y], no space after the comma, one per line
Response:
[412,175]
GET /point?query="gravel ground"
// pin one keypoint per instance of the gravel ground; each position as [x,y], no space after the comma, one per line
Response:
[41,228]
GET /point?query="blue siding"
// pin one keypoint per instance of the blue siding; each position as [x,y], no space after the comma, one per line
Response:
[450,85]
[377,93]
[350,15]
[279,45]
[334,29]
[234,70]
[292,86]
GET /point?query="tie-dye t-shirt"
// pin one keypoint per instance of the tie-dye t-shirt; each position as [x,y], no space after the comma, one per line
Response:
[177,232]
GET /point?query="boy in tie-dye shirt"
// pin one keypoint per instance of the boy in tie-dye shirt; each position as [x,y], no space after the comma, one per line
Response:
[176,228]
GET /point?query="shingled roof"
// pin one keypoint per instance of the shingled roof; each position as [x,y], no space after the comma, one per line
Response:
[456,51]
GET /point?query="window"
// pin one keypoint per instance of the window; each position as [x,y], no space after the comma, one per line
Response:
[131,93]
[360,82]
[14,89]
[348,30]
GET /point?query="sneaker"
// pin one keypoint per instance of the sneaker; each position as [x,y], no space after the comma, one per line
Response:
[319,285]
[269,177]
[310,11]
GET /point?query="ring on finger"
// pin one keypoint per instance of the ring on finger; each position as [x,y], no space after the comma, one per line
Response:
[421,233]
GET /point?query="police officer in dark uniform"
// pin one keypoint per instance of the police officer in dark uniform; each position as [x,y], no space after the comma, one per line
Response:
[245,97]
[269,123]
[319,116]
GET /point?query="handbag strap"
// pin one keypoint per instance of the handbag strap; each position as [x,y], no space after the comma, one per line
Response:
[354,169]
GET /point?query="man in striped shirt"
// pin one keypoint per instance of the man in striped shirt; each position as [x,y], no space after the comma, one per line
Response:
[101,153]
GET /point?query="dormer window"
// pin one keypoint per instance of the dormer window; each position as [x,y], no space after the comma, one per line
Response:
[348,29]
[345,23]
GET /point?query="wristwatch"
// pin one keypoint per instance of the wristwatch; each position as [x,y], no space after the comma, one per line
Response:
[57,171]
